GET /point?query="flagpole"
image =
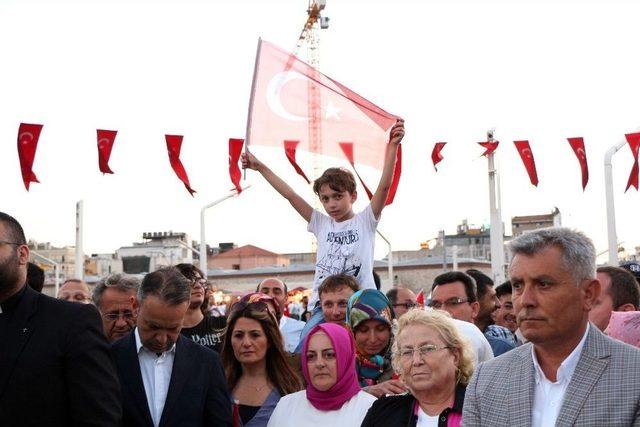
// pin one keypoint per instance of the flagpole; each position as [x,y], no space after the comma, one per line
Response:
[496,234]
[611,213]
[79,261]
[247,134]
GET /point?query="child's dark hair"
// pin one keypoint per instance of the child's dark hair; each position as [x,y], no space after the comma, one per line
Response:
[338,179]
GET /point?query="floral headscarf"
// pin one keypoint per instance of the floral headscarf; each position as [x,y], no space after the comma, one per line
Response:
[371,304]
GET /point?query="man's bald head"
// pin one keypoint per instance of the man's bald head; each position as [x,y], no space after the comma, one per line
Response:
[276,289]
[75,290]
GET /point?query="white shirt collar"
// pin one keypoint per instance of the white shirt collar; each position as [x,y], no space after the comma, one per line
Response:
[139,345]
[568,365]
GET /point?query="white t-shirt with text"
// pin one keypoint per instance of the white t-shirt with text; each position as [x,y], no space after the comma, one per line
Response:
[344,248]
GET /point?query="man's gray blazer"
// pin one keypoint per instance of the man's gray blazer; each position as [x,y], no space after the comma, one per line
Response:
[604,389]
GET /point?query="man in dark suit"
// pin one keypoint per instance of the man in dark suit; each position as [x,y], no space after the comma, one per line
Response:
[168,380]
[55,368]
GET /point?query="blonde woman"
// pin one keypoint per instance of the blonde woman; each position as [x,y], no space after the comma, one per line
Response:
[436,363]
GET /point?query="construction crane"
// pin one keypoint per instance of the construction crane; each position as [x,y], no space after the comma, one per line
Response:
[310,35]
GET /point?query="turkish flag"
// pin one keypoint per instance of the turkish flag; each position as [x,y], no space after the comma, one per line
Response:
[28,135]
[291,100]
[489,146]
[106,138]
[436,157]
[174,144]
[235,149]
[420,299]
[290,151]
[634,143]
[527,158]
[577,144]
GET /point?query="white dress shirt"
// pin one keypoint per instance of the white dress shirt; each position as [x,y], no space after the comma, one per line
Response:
[156,376]
[291,330]
[548,396]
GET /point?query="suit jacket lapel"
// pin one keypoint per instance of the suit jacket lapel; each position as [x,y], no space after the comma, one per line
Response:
[19,331]
[179,377]
[521,386]
[593,361]
[134,376]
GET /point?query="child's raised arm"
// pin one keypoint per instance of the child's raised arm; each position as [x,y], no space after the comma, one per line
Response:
[380,196]
[298,203]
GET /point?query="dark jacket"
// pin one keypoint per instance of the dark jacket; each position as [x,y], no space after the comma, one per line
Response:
[399,411]
[197,394]
[56,369]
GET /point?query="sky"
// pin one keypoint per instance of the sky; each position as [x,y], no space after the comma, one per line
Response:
[538,70]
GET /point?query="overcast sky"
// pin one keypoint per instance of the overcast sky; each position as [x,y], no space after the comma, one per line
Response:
[536,70]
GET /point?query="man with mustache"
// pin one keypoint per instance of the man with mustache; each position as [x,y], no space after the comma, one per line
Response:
[569,373]
[166,378]
[115,297]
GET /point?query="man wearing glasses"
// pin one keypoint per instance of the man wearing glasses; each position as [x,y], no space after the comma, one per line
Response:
[75,290]
[455,293]
[402,299]
[55,368]
[115,297]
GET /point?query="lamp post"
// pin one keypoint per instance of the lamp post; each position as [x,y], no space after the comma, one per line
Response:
[611,212]
[203,244]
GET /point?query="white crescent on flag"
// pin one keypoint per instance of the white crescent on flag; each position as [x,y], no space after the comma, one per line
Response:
[273,94]
[23,138]
[527,153]
[102,142]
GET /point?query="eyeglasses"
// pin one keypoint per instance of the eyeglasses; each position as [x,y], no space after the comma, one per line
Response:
[423,350]
[202,282]
[4,242]
[451,302]
[126,315]
[406,305]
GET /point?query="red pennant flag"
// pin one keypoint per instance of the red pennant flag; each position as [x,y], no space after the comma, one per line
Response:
[420,298]
[524,149]
[577,144]
[634,143]
[436,157]
[396,177]
[235,149]
[490,147]
[289,97]
[290,151]
[28,135]
[106,138]
[174,144]
[347,149]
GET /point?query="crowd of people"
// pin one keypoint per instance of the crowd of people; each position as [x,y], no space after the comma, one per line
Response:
[555,345]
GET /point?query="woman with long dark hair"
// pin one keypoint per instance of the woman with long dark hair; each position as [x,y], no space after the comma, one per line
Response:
[255,361]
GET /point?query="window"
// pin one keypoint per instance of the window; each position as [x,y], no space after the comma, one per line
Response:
[236,266]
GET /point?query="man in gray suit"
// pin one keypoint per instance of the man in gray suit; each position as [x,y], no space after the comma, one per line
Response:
[569,373]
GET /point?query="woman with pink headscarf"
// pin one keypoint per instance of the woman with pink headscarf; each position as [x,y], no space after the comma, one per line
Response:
[333,396]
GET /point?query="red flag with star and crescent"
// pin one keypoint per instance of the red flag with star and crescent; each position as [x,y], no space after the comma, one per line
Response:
[489,147]
[436,156]
[28,135]
[235,150]
[524,149]
[577,144]
[174,145]
[106,138]
[633,139]
[291,100]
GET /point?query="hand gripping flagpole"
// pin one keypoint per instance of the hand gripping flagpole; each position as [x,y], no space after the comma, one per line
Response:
[496,235]
[611,212]
[203,243]
[247,134]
